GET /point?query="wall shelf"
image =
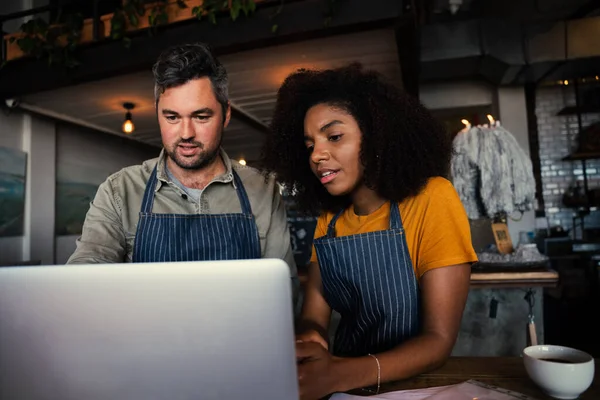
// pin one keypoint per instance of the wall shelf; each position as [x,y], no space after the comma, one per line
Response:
[572,110]
[582,156]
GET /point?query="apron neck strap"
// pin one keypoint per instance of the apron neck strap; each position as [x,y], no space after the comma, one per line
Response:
[395,219]
[148,200]
[331,226]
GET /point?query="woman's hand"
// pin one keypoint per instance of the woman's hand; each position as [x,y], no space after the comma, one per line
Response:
[316,370]
[313,336]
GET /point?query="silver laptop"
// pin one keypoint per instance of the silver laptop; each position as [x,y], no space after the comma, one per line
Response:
[193,330]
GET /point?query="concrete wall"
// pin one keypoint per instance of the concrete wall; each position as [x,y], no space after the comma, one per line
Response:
[513,115]
[36,137]
[54,149]
[505,334]
[86,157]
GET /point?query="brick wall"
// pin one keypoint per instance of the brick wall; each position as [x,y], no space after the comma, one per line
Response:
[558,137]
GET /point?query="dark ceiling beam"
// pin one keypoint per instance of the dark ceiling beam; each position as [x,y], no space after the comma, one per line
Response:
[247,118]
[586,9]
[488,68]
[409,54]
[300,20]
[450,69]
[543,71]
[497,72]
[580,68]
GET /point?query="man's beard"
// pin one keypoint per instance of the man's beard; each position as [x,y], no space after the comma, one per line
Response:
[202,159]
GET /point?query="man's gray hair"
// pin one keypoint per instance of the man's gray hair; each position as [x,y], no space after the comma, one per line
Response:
[182,63]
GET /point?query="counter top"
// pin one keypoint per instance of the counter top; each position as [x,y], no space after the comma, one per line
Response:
[498,278]
[541,277]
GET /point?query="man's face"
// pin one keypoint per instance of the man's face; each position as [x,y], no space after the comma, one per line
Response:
[191,123]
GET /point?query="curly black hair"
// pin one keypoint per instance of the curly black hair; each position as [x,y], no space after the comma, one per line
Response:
[403,144]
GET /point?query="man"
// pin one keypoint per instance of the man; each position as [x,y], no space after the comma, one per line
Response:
[193,202]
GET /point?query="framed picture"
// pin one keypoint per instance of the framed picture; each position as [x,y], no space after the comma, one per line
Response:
[13,174]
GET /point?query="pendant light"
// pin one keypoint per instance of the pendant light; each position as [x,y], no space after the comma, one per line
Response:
[128,126]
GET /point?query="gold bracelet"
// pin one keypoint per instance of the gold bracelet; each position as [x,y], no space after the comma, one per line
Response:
[378,374]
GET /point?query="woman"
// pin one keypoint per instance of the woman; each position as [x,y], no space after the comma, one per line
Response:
[392,249]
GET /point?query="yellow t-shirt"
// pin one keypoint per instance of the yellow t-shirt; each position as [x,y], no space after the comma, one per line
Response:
[435,224]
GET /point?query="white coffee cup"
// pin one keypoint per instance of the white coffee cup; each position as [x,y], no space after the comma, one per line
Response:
[561,372]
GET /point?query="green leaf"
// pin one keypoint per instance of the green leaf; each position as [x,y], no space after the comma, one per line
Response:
[74,22]
[136,6]
[274,28]
[251,5]
[212,18]
[163,17]
[133,19]
[181,4]
[26,44]
[127,42]
[200,13]
[235,10]
[117,25]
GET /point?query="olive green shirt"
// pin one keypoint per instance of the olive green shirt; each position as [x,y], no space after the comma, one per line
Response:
[110,225]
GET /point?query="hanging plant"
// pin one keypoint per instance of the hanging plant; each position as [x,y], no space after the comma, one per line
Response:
[158,16]
[328,15]
[132,13]
[128,15]
[210,8]
[278,10]
[57,41]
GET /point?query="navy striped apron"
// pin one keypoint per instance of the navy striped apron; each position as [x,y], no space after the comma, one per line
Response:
[195,237]
[369,280]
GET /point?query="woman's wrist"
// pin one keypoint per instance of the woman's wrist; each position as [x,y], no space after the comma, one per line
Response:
[340,368]
[355,373]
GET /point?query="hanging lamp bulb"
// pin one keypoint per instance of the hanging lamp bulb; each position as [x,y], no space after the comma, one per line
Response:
[128,126]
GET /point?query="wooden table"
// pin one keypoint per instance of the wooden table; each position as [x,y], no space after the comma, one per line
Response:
[505,372]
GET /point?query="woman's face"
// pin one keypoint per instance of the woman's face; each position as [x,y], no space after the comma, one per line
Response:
[333,139]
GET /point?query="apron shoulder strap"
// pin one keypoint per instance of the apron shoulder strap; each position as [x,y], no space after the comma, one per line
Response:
[242,195]
[148,200]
